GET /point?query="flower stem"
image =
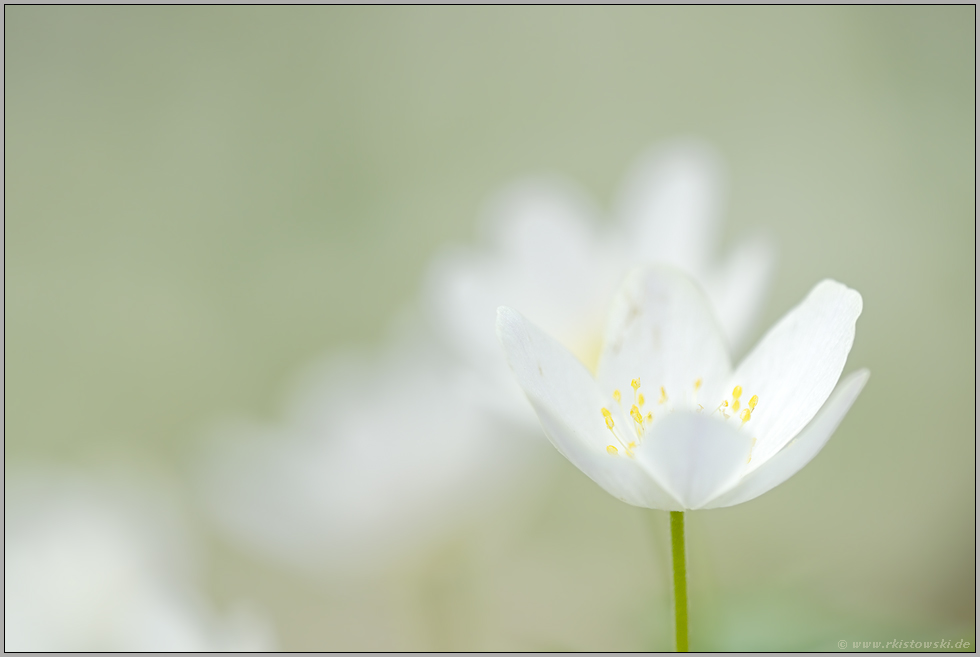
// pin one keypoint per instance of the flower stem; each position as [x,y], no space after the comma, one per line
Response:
[677,549]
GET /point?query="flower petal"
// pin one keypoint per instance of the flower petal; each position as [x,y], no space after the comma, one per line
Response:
[795,367]
[670,203]
[800,451]
[541,255]
[694,456]
[569,405]
[661,330]
[738,286]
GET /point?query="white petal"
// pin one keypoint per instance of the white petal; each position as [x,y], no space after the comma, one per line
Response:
[800,451]
[670,204]
[694,456]
[569,406]
[739,285]
[797,364]
[661,330]
[541,257]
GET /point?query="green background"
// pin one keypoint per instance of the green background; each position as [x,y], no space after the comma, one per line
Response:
[198,201]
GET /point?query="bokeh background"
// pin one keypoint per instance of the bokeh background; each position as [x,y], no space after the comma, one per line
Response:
[200,201]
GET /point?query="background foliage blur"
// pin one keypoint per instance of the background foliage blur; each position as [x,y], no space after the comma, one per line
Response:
[199,201]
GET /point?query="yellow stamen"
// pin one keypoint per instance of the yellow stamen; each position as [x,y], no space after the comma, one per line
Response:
[616,395]
[609,421]
[697,385]
[746,415]
[663,395]
[737,392]
[612,449]
[632,445]
[736,405]
[649,417]
[641,400]
[635,414]
[609,425]
[635,383]
[754,402]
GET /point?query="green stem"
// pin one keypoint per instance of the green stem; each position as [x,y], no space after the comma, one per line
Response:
[680,578]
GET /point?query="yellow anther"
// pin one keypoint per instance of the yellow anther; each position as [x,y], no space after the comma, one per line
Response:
[635,383]
[641,400]
[737,392]
[746,415]
[635,414]
[612,449]
[663,395]
[724,404]
[631,445]
[736,405]
[616,395]
[697,385]
[609,421]
[649,417]
[754,402]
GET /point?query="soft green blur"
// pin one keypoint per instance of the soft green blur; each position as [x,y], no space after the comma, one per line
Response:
[198,201]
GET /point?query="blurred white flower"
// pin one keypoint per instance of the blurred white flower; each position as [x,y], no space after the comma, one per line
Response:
[98,568]
[378,452]
[666,423]
[550,253]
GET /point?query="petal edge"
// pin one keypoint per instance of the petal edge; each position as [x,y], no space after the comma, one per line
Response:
[794,456]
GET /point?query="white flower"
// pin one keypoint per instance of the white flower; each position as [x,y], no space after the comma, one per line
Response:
[94,567]
[378,454]
[552,256]
[666,423]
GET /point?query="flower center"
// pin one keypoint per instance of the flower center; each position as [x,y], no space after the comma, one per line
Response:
[629,439]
